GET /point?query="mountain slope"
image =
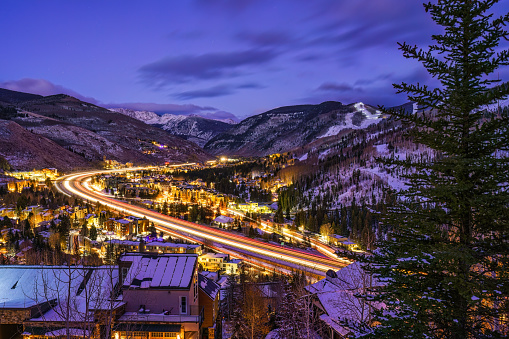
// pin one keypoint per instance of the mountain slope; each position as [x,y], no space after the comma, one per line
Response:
[26,151]
[190,127]
[285,128]
[93,132]
[12,97]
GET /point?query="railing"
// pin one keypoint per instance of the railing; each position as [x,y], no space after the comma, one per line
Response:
[195,314]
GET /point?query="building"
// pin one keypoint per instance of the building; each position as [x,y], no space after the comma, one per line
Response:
[231,266]
[219,262]
[209,297]
[223,221]
[168,247]
[153,247]
[213,261]
[146,296]
[334,299]
[161,297]
[45,301]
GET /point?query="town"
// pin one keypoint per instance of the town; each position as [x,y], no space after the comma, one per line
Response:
[42,228]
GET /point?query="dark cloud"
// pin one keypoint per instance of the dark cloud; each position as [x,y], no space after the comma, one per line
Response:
[44,88]
[265,39]
[212,92]
[216,91]
[335,87]
[187,68]
[370,81]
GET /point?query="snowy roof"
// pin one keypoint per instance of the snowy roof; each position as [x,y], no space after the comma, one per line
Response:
[212,255]
[27,286]
[210,275]
[208,286]
[222,219]
[337,295]
[169,244]
[122,242]
[162,271]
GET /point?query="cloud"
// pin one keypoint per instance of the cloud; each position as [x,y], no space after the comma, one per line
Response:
[219,115]
[265,39]
[335,87]
[212,92]
[189,109]
[43,87]
[215,91]
[370,81]
[186,109]
[187,68]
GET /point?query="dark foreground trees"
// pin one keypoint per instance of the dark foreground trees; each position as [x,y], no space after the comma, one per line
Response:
[446,261]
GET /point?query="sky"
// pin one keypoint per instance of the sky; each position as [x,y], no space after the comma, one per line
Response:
[214,57]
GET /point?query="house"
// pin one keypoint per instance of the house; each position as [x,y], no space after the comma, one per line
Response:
[122,227]
[223,221]
[334,299]
[219,262]
[35,300]
[209,298]
[168,247]
[231,266]
[337,240]
[161,297]
[139,225]
[213,261]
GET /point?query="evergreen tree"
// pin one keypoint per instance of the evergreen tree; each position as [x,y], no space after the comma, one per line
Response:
[446,259]
[93,233]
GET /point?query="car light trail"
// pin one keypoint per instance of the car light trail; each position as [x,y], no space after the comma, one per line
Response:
[78,184]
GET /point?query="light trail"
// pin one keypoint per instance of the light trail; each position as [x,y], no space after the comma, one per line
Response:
[78,184]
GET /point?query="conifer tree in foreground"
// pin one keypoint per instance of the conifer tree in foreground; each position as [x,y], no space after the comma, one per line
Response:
[446,260]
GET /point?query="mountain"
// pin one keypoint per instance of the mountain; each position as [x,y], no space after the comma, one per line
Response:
[24,150]
[190,127]
[12,97]
[93,132]
[285,128]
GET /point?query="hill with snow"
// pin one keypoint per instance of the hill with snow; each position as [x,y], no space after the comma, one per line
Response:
[285,128]
[190,127]
[90,132]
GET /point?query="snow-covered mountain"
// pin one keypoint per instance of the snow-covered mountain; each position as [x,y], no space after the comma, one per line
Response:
[285,128]
[87,131]
[190,127]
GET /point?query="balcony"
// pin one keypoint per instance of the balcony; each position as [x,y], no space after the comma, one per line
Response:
[194,315]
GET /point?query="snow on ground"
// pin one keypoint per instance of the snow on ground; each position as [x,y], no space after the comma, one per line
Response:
[348,124]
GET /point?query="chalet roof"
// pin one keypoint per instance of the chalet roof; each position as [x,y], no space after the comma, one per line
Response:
[223,219]
[26,286]
[162,271]
[337,295]
[208,286]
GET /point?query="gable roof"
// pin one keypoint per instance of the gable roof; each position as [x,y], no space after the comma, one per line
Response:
[26,286]
[162,271]
[208,286]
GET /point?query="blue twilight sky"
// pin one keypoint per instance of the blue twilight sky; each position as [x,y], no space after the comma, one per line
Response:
[213,56]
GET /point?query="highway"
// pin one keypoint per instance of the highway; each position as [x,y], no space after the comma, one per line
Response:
[78,185]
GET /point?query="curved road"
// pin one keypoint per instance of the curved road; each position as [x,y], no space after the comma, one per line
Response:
[78,184]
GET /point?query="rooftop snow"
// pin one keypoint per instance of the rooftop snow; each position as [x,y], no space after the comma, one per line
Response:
[162,271]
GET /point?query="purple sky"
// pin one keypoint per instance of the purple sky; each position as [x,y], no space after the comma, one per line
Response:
[213,56]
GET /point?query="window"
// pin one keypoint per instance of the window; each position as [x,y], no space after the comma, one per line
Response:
[157,334]
[183,305]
